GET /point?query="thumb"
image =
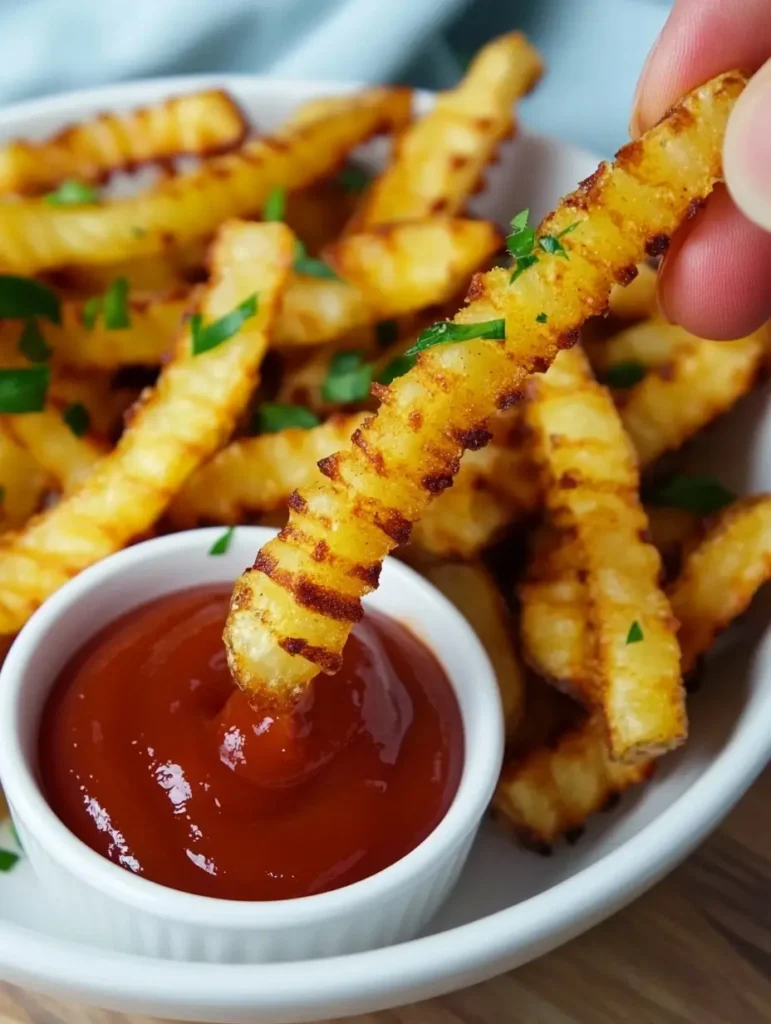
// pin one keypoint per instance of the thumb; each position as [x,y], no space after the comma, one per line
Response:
[747,150]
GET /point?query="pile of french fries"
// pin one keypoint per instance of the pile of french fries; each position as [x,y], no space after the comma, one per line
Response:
[200,347]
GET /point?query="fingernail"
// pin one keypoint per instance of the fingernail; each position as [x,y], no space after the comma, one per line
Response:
[635,125]
[747,150]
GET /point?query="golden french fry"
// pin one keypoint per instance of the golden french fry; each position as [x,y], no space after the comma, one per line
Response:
[198,124]
[171,271]
[146,341]
[591,483]
[441,158]
[36,236]
[180,423]
[105,402]
[66,458]
[637,300]
[674,532]
[373,492]
[389,273]
[255,475]
[496,486]
[23,483]
[691,383]
[551,790]
[472,590]
[555,616]
[720,575]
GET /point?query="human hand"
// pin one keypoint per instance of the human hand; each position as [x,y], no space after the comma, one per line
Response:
[716,277]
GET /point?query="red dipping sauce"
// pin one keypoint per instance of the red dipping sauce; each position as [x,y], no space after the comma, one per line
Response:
[151,756]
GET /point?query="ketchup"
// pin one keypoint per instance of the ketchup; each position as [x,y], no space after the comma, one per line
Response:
[152,757]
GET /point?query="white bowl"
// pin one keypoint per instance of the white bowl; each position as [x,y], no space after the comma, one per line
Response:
[509,906]
[123,911]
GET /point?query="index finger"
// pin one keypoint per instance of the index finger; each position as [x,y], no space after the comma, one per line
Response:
[701,39]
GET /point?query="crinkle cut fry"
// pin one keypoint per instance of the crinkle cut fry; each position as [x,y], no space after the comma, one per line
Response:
[23,482]
[591,487]
[440,159]
[255,475]
[197,124]
[181,422]
[36,236]
[67,459]
[551,790]
[145,342]
[695,383]
[292,613]
[721,574]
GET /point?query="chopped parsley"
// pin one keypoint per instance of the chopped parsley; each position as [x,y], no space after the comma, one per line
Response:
[73,193]
[221,546]
[348,379]
[8,860]
[77,418]
[447,332]
[542,318]
[386,333]
[115,305]
[523,243]
[32,344]
[91,309]
[274,416]
[701,495]
[635,634]
[24,390]
[21,297]
[354,177]
[275,204]
[396,368]
[625,375]
[311,267]
[209,337]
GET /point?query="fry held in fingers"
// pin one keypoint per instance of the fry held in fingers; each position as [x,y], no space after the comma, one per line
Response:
[291,614]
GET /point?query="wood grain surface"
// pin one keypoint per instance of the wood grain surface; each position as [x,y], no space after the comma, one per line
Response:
[694,950]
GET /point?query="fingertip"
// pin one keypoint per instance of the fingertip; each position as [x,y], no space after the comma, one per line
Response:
[715,280]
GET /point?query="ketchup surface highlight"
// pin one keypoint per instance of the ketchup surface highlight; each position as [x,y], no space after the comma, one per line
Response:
[152,757]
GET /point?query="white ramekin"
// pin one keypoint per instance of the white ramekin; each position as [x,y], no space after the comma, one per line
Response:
[110,906]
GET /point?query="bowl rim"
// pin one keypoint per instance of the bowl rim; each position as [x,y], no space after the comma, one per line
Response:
[481,715]
[425,966]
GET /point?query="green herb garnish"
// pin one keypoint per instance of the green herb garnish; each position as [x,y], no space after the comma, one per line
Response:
[24,390]
[2,494]
[271,417]
[72,193]
[138,232]
[8,860]
[635,634]
[625,375]
[522,243]
[542,318]
[77,418]
[354,177]
[33,345]
[396,368]
[275,204]
[209,337]
[386,333]
[305,264]
[21,297]
[91,309]
[222,544]
[348,379]
[115,305]
[701,495]
[447,332]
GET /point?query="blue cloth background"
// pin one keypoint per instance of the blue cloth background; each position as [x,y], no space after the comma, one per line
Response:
[594,48]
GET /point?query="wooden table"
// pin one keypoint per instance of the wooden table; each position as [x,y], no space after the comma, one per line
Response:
[694,950]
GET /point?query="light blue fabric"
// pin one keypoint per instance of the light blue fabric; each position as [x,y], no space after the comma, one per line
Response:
[594,48]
